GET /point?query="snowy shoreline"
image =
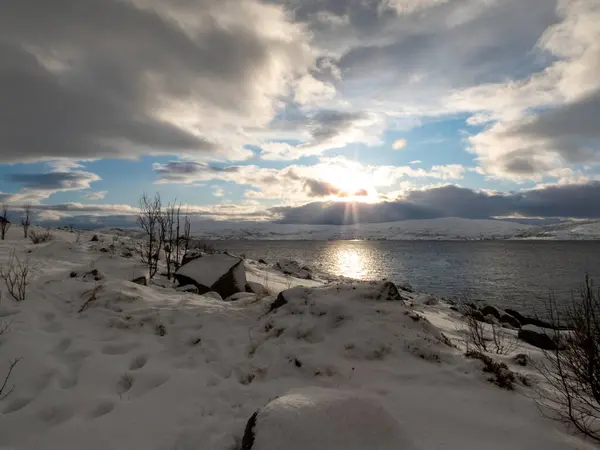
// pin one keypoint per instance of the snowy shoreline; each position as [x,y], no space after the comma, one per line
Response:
[150,367]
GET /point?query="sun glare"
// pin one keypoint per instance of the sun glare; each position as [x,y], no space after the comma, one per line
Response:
[352,184]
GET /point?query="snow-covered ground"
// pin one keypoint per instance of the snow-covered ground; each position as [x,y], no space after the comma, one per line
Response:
[110,364]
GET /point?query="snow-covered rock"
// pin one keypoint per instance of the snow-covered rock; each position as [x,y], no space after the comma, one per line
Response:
[506,318]
[240,296]
[292,268]
[538,337]
[491,310]
[221,273]
[362,291]
[325,419]
[191,255]
[256,288]
[425,299]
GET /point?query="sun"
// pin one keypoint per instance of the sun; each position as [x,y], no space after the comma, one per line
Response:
[353,184]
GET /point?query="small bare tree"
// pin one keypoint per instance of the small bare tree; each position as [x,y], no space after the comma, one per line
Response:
[149,219]
[168,235]
[26,220]
[178,238]
[4,222]
[485,336]
[572,370]
[14,275]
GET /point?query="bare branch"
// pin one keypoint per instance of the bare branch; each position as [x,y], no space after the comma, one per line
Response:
[3,389]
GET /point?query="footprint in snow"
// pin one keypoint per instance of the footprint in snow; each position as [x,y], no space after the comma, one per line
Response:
[56,414]
[138,362]
[102,409]
[17,404]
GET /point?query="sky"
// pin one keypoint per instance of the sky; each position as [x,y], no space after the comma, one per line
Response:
[299,111]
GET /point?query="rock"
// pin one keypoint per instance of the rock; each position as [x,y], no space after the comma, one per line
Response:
[212,294]
[293,269]
[104,250]
[429,300]
[279,302]
[220,273]
[190,255]
[256,288]
[510,320]
[524,320]
[476,314]
[248,296]
[94,238]
[351,291]
[189,288]
[491,319]
[262,261]
[127,254]
[406,287]
[538,337]
[142,281]
[489,309]
[324,419]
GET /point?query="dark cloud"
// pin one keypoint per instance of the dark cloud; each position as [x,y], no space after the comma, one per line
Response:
[53,181]
[573,129]
[89,78]
[327,124]
[319,188]
[574,201]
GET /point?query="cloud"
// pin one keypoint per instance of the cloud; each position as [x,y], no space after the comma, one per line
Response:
[55,181]
[96,195]
[565,201]
[331,177]
[416,161]
[71,88]
[325,130]
[399,144]
[548,121]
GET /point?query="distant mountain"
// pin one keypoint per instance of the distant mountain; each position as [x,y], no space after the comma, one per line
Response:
[572,230]
[451,228]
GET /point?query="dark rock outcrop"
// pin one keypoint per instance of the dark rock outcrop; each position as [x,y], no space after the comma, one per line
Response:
[489,309]
[508,319]
[538,337]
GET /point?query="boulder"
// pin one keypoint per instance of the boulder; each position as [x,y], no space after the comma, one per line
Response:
[190,255]
[525,320]
[475,314]
[142,281]
[510,320]
[221,273]
[94,238]
[489,309]
[324,419]
[293,269]
[256,288]
[212,294]
[425,299]
[354,291]
[538,337]
[189,288]
[491,319]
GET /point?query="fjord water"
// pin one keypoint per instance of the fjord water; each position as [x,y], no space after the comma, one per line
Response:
[518,274]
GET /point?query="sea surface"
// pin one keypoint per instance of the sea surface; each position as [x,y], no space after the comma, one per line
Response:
[517,274]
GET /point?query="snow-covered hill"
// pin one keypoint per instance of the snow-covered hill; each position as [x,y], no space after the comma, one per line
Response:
[110,364]
[572,230]
[446,228]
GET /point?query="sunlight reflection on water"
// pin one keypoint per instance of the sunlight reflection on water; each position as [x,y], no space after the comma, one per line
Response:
[351,262]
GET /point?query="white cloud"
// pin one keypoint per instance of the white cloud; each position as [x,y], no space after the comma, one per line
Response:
[96,195]
[399,144]
[547,121]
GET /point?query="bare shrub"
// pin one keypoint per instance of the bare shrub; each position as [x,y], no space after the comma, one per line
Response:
[26,220]
[485,336]
[40,237]
[149,219]
[4,222]
[5,390]
[500,374]
[572,371]
[14,275]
